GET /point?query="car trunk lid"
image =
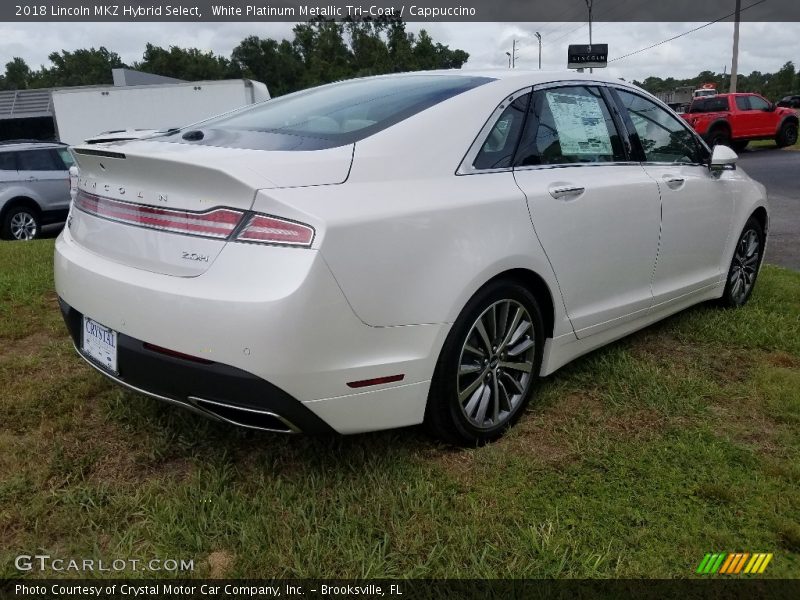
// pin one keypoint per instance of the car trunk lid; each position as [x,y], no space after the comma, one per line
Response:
[170,208]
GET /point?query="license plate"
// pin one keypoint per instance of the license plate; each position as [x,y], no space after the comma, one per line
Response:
[100,344]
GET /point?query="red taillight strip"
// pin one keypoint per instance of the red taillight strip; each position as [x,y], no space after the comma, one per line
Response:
[216,223]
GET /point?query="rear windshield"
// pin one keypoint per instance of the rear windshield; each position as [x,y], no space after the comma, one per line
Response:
[702,105]
[331,115]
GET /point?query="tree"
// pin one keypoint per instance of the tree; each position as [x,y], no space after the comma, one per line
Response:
[81,67]
[321,51]
[18,75]
[782,83]
[279,65]
[326,57]
[370,51]
[186,63]
[770,85]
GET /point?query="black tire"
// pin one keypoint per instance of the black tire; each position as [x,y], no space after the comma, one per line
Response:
[503,386]
[21,222]
[740,145]
[745,264]
[787,136]
[719,136]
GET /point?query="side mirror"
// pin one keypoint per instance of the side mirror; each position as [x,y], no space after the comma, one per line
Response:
[723,158]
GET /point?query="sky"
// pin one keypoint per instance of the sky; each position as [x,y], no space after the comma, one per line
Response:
[763,47]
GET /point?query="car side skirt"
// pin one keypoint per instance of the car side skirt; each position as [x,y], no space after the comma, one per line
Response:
[562,350]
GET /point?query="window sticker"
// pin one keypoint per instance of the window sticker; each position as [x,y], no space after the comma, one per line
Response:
[580,123]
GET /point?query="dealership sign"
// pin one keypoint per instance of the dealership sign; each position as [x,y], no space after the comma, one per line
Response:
[584,56]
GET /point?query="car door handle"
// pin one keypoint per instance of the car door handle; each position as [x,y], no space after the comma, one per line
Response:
[674,182]
[566,191]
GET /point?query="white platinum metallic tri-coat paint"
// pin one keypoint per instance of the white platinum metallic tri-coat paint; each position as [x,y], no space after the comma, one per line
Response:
[406,231]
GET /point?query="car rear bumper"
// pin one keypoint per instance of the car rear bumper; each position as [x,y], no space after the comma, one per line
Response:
[270,329]
[221,391]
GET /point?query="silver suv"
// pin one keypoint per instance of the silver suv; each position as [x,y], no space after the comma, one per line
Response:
[34,187]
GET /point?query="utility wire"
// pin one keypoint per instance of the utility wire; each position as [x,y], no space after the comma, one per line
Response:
[598,18]
[661,43]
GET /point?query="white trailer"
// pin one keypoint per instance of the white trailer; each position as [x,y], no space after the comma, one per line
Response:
[81,113]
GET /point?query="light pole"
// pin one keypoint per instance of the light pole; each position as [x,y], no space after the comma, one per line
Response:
[508,54]
[589,6]
[539,37]
[735,61]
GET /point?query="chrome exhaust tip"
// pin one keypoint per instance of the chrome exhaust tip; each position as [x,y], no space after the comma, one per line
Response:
[250,418]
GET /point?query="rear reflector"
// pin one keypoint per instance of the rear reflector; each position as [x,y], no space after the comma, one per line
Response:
[376,381]
[270,230]
[175,354]
[216,223]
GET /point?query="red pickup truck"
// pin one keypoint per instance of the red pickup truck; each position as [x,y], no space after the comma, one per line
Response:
[735,119]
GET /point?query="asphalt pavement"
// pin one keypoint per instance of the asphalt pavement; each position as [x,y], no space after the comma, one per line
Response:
[779,171]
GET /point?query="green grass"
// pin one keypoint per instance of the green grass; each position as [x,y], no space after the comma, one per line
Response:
[633,461]
[770,144]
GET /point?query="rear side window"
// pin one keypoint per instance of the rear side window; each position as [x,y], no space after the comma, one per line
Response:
[743,103]
[498,149]
[701,105]
[66,157]
[8,161]
[39,160]
[664,138]
[569,125]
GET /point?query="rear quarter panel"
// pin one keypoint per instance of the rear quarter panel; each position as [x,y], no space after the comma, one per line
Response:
[407,239]
[414,251]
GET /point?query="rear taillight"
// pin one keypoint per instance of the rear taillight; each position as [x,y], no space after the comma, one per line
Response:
[271,230]
[216,223]
[219,223]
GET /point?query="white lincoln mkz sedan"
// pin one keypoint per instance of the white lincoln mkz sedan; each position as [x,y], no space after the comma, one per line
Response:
[394,250]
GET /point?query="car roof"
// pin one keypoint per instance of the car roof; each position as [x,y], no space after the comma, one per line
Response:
[511,80]
[525,76]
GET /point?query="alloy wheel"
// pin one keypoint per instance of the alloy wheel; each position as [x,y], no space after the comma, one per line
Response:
[496,364]
[745,266]
[23,226]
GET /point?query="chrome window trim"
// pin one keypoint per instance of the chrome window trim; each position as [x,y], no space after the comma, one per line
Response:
[651,163]
[618,163]
[698,138]
[466,167]
[577,83]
